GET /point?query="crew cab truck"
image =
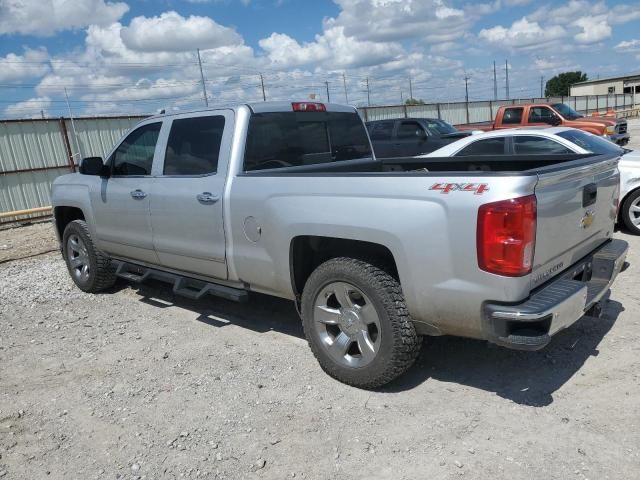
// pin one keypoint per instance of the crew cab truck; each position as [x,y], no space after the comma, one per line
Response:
[287,199]
[555,114]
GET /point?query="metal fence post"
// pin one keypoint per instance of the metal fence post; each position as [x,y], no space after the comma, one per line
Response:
[438,107]
[67,145]
[404,107]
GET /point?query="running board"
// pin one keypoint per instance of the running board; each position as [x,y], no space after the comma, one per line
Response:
[183,286]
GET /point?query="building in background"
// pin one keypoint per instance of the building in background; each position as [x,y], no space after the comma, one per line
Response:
[610,85]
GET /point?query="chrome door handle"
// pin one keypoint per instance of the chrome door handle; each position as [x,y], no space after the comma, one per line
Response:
[138,194]
[207,197]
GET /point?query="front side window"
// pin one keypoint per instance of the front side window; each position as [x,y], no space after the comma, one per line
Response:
[512,115]
[489,146]
[410,130]
[134,156]
[292,139]
[194,145]
[540,115]
[440,127]
[532,145]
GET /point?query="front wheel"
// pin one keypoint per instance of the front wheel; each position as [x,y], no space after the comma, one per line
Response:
[90,269]
[630,212]
[357,324]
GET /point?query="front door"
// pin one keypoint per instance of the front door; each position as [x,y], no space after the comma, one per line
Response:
[121,202]
[187,194]
[411,139]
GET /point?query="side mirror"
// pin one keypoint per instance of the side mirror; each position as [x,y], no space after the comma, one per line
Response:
[93,166]
[555,120]
[421,134]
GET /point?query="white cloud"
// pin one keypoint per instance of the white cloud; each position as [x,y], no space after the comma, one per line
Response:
[29,108]
[171,32]
[333,49]
[46,17]
[628,46]
[594,29]
[522,34]
[14,68]
[394,20]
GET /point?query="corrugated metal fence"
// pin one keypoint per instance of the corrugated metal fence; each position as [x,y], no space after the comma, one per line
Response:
[34,152]
[457,113]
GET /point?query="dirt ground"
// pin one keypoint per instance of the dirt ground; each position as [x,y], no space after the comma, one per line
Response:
[137,383]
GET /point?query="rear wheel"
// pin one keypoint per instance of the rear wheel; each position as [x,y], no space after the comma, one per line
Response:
[630,212]
[357,324]
[90,269]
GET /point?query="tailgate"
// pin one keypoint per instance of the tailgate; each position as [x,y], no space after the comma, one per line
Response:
[576,214]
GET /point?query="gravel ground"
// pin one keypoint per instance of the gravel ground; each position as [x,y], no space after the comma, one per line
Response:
[135,383]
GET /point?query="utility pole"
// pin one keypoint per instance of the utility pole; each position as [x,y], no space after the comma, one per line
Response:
[204,87]
[506,73]
[541,82]
[466,95]
[410,89]
[326,84]
[401,99]
[495,82]
[368,93]
[344,83]
[264,96]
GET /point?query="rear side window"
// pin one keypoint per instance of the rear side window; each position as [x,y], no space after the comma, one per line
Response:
[489,146]
[380,131]
[512,115]
[292,139]
[134,156]
[532,145]
[194,145]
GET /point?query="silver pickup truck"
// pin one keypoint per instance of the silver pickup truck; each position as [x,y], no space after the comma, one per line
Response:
[287,199]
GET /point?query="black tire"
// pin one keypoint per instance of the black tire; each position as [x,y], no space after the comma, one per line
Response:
[101,272]
[627,215]
[399,343]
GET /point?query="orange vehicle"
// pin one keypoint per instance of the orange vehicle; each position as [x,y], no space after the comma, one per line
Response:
[545,114]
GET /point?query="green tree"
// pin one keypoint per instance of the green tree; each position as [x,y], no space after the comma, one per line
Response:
[558,86]
[414,101]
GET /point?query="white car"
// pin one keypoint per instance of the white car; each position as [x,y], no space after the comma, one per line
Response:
[557,140]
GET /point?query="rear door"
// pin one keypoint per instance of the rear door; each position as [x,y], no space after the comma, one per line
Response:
[381,135]
[576,212]
[187,200]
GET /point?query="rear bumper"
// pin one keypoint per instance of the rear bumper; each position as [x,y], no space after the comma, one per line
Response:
[559,303]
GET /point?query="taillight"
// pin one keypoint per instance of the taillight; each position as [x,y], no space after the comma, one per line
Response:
[308,107]
[506,236]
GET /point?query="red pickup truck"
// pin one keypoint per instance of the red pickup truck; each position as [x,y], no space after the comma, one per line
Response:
[544,114]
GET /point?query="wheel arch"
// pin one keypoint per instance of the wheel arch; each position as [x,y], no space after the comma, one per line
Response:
[64,215]
[307,252]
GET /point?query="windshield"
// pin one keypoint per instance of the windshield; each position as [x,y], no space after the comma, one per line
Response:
[440,126]
[566,111]
[591,142]
[292,139]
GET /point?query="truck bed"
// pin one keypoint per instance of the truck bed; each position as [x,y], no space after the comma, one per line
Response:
[506,164]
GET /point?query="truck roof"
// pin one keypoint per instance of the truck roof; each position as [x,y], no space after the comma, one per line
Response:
[261,107]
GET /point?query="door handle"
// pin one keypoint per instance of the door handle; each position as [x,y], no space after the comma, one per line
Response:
[207,197]
[138,194]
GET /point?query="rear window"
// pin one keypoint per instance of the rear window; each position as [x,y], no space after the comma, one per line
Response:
[590,142]
[292,139]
